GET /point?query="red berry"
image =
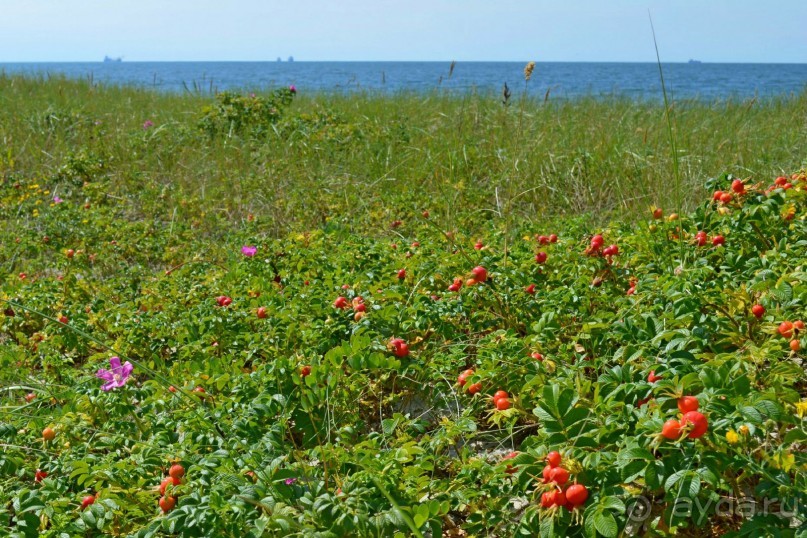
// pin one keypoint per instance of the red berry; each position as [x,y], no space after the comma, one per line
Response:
[540,257]
[261,312]
[480,273]
[546,499]
[401,274]
[597,242]
[718,240]
[658,213]
[340,303]
[781,180]
[559,475]
[479,245]
[167,504]
[500,394]
[63,319]
[652,378]
[537,356]
[475,388]
[553,458]
[502,404]
[795,345]
[698,420]
[176,471]
[530,289]
[716,196]
[758,310]
[543,240]
[557,498]
[87,501]
[738,186]
[70,253]
[798,325]
[671,429]
[687,404]
[305,371]
[30,397]
[169,480]
[553,238]
[786,329]
[461,379]
[40,475]
[725,197]
[576,494]
[399,347]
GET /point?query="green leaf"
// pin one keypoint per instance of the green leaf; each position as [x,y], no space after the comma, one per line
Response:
[605,524]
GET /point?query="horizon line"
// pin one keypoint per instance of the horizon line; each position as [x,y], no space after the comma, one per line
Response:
[691,60]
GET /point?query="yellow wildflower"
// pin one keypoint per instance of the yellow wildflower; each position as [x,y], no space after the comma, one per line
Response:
[732,437]
[801,408]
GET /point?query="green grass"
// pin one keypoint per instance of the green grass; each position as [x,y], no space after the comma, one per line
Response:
[373,157]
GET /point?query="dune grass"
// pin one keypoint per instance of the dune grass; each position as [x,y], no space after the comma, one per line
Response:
[357,158]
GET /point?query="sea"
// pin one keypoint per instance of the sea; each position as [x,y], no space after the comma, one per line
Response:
[564,80]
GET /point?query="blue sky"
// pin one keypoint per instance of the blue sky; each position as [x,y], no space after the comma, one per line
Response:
[441,30]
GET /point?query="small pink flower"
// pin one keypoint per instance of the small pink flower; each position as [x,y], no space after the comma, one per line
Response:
[116,376]
[293,88]
[248,251]
[148,124]
[57,200]
[290,481]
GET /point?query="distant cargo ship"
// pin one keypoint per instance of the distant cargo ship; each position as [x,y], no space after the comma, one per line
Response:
[107,59]
[691,61]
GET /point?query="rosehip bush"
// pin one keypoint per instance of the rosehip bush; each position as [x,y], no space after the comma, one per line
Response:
[330,396]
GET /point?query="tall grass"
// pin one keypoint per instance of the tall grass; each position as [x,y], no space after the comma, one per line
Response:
[372,158]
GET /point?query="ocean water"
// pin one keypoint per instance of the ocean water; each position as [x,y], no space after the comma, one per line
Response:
[705,81]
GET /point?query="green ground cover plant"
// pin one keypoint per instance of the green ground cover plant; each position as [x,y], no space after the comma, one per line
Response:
[285,315]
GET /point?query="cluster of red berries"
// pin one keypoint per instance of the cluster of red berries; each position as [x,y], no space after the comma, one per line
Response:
[781,182]
[462,380]
[174,478]
[569,498]
[546,239]
[501,400]
[691,420]
[791,330]
[701,239]
[596,249]
[223,300]
[478,275]
[359,308]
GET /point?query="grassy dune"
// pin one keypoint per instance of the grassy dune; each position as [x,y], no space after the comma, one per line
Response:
[399,316]
[365,154]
